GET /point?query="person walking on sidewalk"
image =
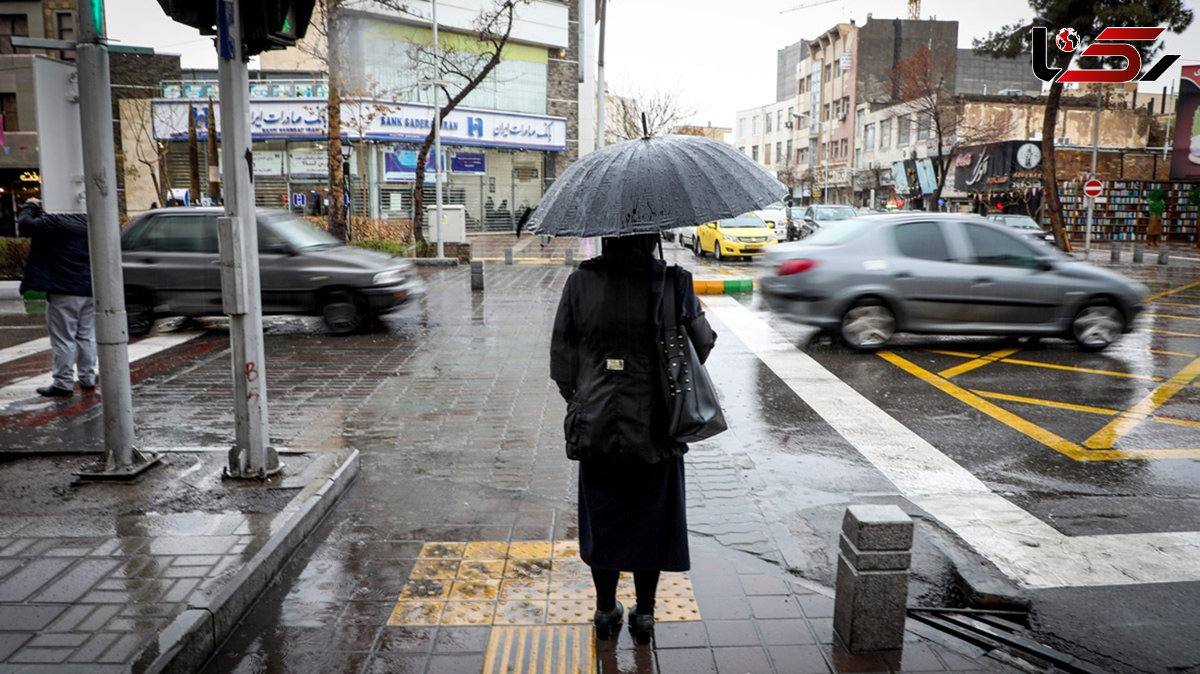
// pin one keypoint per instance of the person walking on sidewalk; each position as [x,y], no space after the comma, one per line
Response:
[59,265]
[604,359]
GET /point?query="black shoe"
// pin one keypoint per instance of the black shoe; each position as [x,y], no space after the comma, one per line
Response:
[87,388]
[608,622]
[55,392]
[641,626]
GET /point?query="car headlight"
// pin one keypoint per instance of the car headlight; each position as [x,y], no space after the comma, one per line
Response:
[390,277]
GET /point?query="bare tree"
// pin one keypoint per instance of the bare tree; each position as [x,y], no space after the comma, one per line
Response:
[923,84]
[461,71]
[664,111]
[146,150]
[361,99]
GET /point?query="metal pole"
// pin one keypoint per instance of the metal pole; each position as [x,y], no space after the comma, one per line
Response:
[121,457]
[600,92]
[251,455]
[1168,142]
[1091,201]
[437,136]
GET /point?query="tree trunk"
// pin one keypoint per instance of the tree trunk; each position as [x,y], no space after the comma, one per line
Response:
[193,158]
[1049,177]
[419,190]
[214,175]
[333,146]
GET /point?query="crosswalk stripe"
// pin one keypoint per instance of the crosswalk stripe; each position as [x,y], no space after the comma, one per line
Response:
[7,355]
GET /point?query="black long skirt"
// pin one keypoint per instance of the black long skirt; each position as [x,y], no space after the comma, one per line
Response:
[632,515]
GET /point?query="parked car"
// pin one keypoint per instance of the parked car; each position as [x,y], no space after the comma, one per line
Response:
[775,216]
[171,263]
[684,236]
[816,217]
[873,276]
[744,236]
[1023,224]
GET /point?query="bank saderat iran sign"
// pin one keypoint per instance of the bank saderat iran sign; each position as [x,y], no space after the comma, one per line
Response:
[304,119]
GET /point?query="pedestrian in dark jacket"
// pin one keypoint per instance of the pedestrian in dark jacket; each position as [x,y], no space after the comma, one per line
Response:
[604,358]
[59,265]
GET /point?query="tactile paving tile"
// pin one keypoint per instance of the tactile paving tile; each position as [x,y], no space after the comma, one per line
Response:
[556,649]
[524,583]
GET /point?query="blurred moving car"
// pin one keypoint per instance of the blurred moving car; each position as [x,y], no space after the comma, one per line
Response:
[744,236]
[775,216]
[170,260]
[1022,224]
[873,276]
[816,217]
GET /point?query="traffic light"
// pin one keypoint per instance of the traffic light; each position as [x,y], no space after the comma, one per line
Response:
[266,24]
[274,24]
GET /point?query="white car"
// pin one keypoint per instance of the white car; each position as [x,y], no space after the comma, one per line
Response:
[776,217]
[684,236]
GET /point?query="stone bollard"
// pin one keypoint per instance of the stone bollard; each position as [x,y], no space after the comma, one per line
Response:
[476,274]
[508,259]
[1164,255]
[872,578]
[1138,252]
[570,259]
[1115,253]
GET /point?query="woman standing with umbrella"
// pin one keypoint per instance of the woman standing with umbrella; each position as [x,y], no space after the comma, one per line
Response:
[605,351]
[604,359]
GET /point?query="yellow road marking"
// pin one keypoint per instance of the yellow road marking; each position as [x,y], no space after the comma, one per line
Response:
[1172,291]
[1172,353]
[1182,318]
[962,368]
[1046,403]
[1169,332]
[1048,438]
[1177,422]
[1178,304]
[1130,418]
[1084,370]
[957,354]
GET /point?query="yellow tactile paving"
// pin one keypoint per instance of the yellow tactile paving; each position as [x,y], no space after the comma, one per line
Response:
[547,650]
[532,583]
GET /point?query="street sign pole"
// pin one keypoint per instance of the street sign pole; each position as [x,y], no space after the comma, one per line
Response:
[1091,204]
[1092,188]
[122,459]
[251,455]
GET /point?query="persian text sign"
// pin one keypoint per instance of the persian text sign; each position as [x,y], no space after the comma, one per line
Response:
[304,119]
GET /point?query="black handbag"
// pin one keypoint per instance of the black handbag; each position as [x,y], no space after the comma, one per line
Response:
[693,407]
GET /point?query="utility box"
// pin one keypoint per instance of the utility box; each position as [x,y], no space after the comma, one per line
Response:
[454,223]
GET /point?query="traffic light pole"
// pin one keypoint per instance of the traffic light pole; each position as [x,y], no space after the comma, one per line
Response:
[251,455]
[122,460]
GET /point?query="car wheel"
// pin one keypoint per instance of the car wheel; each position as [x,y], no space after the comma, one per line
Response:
[717,250]
[696,247]
[868,325]
[344,312]
[139,313]
[1097,325]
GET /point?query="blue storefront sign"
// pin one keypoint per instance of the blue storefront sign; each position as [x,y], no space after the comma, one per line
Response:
[468,164]
[401,166]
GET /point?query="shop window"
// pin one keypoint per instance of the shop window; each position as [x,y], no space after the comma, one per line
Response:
[924,124]
[754,152]
[885,134]
[767,154]
[844,147]
[903,130]
[767,123]
[8,108]
[13,25]
[64,24]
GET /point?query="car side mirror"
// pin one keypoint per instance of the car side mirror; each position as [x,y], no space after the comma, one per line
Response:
[1045,264]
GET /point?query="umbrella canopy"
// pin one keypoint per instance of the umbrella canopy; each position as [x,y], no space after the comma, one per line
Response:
[647,185]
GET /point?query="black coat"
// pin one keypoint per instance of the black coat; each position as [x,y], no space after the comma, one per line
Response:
[58,252]
[603,355]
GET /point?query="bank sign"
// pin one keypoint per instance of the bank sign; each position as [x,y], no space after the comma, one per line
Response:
[304,119]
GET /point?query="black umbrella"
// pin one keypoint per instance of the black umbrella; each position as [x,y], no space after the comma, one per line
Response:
[647,185]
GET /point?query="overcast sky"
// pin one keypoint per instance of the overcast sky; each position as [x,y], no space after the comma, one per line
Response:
[718,56]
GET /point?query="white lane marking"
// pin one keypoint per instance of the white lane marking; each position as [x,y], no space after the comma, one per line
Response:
[24,349]
[1024,548]
[27,387]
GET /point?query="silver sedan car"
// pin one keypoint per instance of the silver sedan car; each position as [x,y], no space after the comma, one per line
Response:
[876,275]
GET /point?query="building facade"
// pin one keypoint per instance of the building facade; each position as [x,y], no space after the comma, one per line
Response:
[503,145]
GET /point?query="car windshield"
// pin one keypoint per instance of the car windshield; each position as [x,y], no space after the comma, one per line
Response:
[745,220]
[833,212]
[300,234]
[839,232]
[1020,222]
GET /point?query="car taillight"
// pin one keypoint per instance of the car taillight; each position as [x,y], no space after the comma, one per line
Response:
[796,266]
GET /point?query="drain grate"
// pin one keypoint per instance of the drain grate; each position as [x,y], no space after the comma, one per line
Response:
[995,630]
[556,649]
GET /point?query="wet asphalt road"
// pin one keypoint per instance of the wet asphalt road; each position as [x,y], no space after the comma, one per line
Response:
[413,387]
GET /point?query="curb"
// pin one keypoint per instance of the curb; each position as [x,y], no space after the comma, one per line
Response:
[192,637]
[723,286]
[434,261]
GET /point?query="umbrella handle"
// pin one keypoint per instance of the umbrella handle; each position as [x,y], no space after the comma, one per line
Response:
[645,128]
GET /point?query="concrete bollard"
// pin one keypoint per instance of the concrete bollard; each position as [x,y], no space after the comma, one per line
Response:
[1114,253]
[508,255]
[570,260]
[1164,255]
[476,274]
[1138,252]
[872,578]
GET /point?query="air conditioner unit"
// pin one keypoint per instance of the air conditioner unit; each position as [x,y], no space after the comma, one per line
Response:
[1064,140]
[841,116]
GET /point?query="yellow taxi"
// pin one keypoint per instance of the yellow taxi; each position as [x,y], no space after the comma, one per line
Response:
[746,235]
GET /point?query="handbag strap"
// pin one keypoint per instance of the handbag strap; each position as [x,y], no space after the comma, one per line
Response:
[669,316]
